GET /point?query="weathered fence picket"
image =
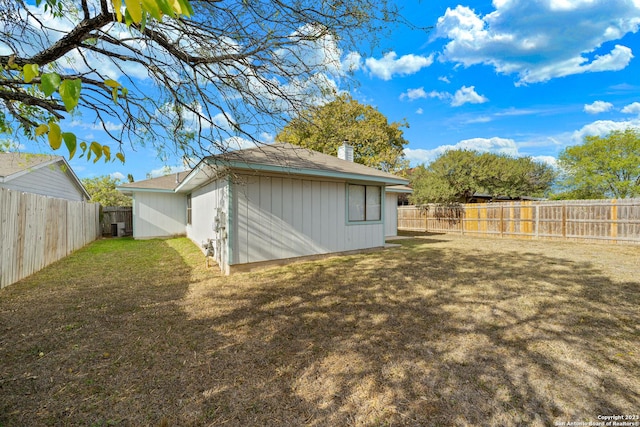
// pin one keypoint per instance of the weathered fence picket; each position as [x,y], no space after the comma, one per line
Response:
[615,221]
[36,231]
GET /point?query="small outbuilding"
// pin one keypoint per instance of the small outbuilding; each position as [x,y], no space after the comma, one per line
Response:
[270,203]
[41,174]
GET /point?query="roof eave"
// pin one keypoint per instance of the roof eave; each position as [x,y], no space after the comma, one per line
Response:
[399,190]
[316,172]
[130,190]
[76,179]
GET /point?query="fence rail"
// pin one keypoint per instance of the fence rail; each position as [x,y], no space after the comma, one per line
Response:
[36,231]
[614,221]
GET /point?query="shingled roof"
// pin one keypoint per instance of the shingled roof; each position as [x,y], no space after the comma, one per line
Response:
[285,158]
[274,158]
[166,183]
[14,163]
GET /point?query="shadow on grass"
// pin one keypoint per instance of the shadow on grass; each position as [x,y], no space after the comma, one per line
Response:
[432,333]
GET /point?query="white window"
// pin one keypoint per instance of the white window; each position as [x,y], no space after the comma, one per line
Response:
[189,209]
[365,202]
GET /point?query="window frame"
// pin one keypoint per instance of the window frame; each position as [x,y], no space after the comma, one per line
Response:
[377,214]
[189,209]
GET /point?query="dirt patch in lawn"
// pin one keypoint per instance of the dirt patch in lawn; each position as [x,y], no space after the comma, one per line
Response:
[443,330]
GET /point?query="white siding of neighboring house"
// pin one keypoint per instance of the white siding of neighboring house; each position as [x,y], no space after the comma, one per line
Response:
[157,214]
[210,218]
[282,217]
[49,181]
[391,215]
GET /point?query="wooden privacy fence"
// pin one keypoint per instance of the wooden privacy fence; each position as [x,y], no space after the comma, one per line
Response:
[119,215]
[37,230]
[615,221]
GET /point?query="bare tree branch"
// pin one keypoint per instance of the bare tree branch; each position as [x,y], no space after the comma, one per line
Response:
[236,68]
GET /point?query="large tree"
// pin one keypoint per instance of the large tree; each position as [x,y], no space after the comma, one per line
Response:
[608,166]
[375,141]
[457,175]
[102,189]
[179,79]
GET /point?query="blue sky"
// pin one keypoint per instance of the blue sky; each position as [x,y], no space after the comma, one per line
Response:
[521,77]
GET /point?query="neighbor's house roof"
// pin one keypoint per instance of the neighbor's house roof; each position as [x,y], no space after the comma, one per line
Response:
[15,165]
[163,184]
[274,158]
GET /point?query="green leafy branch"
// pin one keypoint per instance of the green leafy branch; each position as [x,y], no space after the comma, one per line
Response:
[69,91]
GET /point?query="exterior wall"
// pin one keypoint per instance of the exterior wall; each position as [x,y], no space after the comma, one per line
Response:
[158,214]
[48,181]
[281,217]
[391,215]
[210,218]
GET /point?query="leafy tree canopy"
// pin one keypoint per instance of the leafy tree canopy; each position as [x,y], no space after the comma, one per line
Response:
[103,190]
[457,175]
[376,142]
[605,167]
[176,75]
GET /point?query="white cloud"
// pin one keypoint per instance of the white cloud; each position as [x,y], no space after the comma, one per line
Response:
[195,118]
[439,95]
[464,95]
[390,65]
[633,108]
[166,170]
[444,79]
[414,94]
[351,62]
[118,175]
[419,93]
[489,145]
[467,95]
[315,47]
[540,41]
[597,107]
[419,111]
[267,138]
[602,128]
[480,119]
[237,143]
[550,160]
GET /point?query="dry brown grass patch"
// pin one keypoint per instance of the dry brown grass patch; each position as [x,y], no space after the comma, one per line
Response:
[442,331]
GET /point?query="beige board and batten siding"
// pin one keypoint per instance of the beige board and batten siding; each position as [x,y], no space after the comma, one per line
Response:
[282,217]
[209,217]
[50,181]
[391,215]
[158,214]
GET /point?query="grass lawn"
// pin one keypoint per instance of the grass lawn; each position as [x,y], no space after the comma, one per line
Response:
[442,331]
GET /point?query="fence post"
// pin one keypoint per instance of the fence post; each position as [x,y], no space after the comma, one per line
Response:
[614,220]
[537,223]
[564,220]
[426,220]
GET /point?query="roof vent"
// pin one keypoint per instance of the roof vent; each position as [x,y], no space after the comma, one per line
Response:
[345,152]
